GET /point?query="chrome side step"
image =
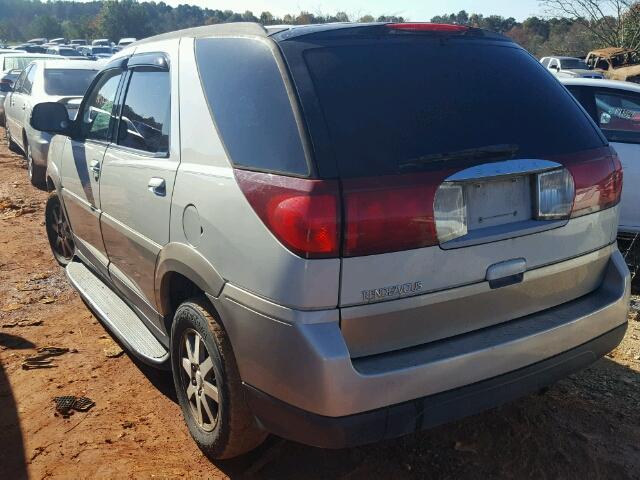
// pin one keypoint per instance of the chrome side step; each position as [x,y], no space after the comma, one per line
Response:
[116,315]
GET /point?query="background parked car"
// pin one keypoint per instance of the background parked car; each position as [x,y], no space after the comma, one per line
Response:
[38,41]
[58,41]
[95,52]
[615,107]
[570,67]
[78,41]
[11,65]
[102,41]
[45,80]
[124,42]
[64,51]
[31,48]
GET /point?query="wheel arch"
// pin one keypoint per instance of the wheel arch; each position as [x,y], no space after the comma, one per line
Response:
[181,266]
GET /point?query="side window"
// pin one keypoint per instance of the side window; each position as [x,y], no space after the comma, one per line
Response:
[98,110]
[146,112]
[618,115]
[545,61]
[19,81]
[28,81]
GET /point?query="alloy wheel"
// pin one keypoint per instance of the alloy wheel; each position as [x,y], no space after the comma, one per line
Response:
[63,240]
[198,380]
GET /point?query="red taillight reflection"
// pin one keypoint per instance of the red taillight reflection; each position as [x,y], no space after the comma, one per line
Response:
[598,183]
[303,214]
[428,27]
[389,214]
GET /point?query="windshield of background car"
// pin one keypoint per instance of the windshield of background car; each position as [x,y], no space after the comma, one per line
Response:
[573,64]
[67,82]
[389,102]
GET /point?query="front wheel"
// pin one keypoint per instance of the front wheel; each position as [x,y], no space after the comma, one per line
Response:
[208,384]
[58,231]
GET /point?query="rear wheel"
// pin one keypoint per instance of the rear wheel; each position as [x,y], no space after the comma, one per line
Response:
[208,384]
[36,172]
[59,231]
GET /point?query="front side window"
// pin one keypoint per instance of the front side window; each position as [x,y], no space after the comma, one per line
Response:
[28,80]
[18,85]
[98,111]
[146,112]
[618,115]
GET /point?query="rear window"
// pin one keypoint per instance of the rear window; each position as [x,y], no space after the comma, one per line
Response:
[18,62]
[250,104]
[388,103]
[67,82]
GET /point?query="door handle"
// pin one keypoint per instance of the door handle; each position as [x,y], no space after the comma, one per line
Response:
[95,168]
[157,186]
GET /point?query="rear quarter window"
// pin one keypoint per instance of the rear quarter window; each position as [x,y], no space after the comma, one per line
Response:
[250,104]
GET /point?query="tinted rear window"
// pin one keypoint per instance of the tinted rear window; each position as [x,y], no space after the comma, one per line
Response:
[67,82]
[386,103]
[250,104]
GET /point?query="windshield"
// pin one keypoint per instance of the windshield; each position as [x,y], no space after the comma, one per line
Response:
[573,64]
[67,82]
[389,104]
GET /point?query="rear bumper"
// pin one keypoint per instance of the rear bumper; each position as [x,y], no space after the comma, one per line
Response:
[39,142]
[299,372]
[301,426]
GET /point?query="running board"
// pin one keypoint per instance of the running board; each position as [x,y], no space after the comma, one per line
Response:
[116,315]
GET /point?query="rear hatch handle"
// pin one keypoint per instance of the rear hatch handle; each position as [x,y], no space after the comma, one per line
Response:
[506,273]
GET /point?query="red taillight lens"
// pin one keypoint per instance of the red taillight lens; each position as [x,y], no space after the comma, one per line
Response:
[428,27]
[598,183]
[388,214]
[303,214]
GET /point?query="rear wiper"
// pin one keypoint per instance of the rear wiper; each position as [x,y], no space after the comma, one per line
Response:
[489,152]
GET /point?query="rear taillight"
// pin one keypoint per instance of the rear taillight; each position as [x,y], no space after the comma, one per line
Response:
[388,214]
[428,27]
[598,183]
[303,214]
[404,212]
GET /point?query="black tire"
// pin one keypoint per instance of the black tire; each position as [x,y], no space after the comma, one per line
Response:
[233,430]
[58,231]
[36,172]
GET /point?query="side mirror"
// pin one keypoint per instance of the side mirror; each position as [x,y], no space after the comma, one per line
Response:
[51,117]
[554,67]
[6,87]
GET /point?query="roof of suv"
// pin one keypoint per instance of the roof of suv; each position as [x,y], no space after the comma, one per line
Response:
[256,29]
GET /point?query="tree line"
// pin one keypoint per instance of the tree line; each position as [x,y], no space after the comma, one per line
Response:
[571,27]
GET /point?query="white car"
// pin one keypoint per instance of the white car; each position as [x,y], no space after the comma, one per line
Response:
[569,67]
[57,80]
[615,107]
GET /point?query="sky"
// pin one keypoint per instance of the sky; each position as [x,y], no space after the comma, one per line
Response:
[415,10]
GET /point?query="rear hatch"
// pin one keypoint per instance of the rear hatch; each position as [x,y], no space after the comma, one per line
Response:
[468,176]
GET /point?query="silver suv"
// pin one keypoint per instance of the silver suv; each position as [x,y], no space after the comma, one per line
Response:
[329,239]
